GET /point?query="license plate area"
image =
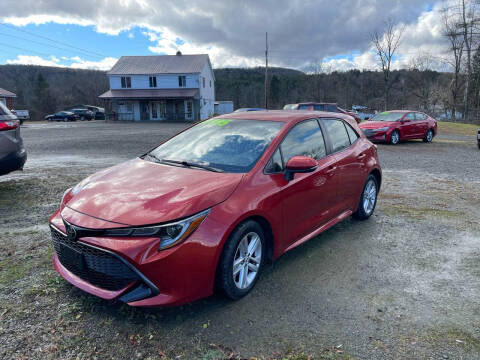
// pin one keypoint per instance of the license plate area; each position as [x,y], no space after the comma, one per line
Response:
[72,257]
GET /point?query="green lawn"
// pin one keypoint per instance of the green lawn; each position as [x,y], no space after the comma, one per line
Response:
[452,128]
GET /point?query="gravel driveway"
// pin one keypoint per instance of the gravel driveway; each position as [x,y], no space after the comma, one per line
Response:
[404,284]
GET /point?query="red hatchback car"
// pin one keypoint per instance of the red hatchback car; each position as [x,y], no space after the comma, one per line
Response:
[206,209]
[397,125]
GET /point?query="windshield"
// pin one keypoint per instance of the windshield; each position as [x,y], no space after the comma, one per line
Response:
[388,116]
[289,107]
[5,114]
[230,145]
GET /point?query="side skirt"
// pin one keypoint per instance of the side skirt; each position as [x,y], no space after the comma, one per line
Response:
[321,229]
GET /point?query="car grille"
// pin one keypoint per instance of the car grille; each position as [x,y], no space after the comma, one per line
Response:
[96,266]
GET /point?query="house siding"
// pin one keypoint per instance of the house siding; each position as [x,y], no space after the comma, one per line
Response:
[163,81]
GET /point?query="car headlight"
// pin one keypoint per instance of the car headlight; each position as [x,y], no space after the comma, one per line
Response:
[169,234]
[383,128]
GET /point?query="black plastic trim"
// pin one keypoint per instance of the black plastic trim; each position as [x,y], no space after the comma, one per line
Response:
[147,282]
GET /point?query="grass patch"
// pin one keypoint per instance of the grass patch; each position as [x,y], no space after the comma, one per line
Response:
[421,213]
[452,128]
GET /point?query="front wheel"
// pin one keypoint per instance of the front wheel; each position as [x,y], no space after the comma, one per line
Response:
[241,260]
[395,137]
[428,136]
[368,200]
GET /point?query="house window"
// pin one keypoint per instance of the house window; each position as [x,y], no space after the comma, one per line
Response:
[153,81]
[126,82]
[182,81]
[203,82]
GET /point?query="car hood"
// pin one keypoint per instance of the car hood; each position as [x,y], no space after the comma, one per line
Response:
[375,124]
[140,192]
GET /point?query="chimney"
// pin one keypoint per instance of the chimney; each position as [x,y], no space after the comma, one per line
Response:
[179,53]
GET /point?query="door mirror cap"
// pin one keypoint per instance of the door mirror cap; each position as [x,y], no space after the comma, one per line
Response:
[299,164]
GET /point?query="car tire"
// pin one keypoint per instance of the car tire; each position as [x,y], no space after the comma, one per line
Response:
[237,283]
[368,199]
[82,118]
[395,137]
[428,136]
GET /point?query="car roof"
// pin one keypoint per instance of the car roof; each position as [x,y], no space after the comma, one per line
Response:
[282,115]
[315,103]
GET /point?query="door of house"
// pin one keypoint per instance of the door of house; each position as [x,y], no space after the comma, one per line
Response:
[188,109]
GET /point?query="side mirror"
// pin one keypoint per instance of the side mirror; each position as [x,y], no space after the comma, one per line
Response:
[299,164]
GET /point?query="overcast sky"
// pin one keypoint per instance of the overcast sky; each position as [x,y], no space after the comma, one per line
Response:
[94,33]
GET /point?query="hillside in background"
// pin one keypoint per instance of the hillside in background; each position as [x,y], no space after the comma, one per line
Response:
[44,90]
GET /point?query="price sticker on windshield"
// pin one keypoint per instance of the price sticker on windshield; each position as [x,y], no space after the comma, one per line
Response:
[217,122]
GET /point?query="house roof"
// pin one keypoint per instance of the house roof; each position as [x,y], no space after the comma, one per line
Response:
[159,64]
[6,93]
[149,94]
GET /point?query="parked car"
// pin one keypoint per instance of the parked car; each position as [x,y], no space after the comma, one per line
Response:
[248,109]
[98,112]
[83,114]
[62,116]
[478,138]
[12,153]
[22,115]
[193,215]
[330,107]
[397,125]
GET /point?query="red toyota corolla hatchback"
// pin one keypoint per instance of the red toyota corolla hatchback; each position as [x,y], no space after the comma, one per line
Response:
[206,209]
[397,125]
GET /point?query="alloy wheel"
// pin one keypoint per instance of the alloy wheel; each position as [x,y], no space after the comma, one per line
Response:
[369,197]
[395,137]
[429,135]
[247,260]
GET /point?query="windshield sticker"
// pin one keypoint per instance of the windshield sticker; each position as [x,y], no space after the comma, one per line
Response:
[217,122]
[384,113]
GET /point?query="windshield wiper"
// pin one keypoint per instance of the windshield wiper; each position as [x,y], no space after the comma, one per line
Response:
[190,164]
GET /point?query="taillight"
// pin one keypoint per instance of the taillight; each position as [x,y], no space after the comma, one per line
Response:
[9,124]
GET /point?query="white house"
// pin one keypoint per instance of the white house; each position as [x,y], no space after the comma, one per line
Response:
[162,87]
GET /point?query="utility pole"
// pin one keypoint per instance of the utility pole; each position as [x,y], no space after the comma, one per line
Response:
[266,72]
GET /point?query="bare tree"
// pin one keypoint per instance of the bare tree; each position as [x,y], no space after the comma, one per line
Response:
[456,44]
[386,44]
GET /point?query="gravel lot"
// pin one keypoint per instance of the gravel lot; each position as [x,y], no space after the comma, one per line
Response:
[404,284]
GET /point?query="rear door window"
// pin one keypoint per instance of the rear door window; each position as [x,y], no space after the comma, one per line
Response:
[420,116]
[352,134]
[338,134]
[305,139]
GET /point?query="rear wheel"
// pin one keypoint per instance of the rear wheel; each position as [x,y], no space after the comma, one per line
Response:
[368,200]
[428,136]
[241,260]
[395,137]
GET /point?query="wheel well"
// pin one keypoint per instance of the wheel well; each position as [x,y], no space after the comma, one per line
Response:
[377,175]
[268,232]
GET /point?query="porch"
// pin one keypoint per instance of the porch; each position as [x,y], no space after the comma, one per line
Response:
[129,106]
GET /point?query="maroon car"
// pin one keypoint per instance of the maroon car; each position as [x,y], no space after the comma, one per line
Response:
[397,125]
[316,106]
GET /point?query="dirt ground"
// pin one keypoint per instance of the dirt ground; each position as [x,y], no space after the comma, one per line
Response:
[405,284]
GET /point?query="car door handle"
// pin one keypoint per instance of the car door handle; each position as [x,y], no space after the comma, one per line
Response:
[361,156]
[331,170]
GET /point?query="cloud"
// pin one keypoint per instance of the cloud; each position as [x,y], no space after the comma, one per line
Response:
[73,62]
[233,32]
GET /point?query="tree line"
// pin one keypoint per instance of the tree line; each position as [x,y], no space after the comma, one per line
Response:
[44,90]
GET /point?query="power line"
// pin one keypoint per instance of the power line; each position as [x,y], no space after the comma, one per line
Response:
[52,40]
[23,49]
[44,44]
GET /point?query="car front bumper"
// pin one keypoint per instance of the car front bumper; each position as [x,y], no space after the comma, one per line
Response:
[375,136]
[146,276]
[13,161]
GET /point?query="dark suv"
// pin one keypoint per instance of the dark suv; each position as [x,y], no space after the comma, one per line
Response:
[12,152]
[83,114]
[315,106]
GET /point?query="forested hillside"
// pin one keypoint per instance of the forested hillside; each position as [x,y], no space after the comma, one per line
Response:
[44,90]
